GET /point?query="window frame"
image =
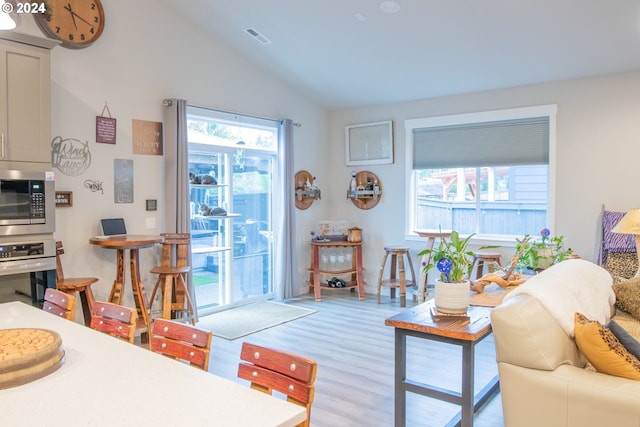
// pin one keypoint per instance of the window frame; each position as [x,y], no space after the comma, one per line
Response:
[410,125]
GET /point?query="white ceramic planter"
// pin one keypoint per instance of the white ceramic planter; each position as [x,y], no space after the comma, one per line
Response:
[452,298]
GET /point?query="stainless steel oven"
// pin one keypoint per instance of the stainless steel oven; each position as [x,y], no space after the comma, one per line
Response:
[27,202]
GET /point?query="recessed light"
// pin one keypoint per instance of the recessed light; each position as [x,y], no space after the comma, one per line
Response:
[359,17]
[389,6]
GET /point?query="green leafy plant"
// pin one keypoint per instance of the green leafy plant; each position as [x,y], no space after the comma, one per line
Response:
[543,253]
[451,258]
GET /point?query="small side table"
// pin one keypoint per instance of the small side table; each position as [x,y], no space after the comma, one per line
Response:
[431,236]
[418,323]
[355,271]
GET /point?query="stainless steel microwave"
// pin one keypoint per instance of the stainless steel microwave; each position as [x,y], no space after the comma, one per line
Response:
[27,202]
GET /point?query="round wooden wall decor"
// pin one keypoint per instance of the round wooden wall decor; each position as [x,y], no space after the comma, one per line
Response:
[368,190]
[304,195]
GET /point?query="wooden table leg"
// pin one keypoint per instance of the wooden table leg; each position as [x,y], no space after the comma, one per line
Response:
[138,293]
[360,277]
[422,286]
[316,272]
[117,289]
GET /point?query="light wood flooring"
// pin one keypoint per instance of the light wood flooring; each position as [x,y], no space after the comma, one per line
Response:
[354,351]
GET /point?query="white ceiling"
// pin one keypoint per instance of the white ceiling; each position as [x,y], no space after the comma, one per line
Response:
[429,48]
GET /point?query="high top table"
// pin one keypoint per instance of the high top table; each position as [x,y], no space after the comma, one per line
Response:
[106,382]
[132,242]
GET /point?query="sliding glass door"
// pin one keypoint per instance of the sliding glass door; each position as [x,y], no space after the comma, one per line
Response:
[232,161]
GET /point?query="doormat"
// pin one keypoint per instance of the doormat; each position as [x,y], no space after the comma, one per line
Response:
[248,319]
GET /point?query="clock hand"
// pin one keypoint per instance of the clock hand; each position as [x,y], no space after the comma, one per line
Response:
[73,18]
[73,15]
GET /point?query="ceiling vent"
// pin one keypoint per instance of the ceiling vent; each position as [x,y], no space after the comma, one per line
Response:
[256,35]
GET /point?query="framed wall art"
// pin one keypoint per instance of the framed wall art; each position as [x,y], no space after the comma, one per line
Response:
[369,143]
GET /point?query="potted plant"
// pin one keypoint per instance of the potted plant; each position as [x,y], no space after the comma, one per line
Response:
[453,261]
[541,254]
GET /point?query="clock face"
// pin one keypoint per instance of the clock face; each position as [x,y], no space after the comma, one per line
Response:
[76,23]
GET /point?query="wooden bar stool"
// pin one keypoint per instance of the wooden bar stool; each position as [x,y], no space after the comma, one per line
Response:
[71,285]
[397,277]
[172,278]
[479,260]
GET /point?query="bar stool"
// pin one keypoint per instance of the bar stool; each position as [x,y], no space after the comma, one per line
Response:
[479,259]
[71,285]
[396,281]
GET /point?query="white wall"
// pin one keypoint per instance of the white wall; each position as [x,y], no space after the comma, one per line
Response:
[133,66]
[598,134]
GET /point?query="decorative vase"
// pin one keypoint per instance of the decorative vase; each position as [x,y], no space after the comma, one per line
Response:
[452,298]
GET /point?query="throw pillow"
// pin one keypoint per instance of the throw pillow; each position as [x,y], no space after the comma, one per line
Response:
[628,296]
[630,343]
[603,350]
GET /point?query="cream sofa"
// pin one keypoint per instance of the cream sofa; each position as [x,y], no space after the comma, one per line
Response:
[544,379]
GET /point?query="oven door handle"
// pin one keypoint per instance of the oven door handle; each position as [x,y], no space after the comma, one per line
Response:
[19,267]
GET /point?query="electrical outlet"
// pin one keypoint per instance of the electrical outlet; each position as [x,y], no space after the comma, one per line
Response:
[150,223]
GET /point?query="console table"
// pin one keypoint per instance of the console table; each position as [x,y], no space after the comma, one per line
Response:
[418,323]
[355,271]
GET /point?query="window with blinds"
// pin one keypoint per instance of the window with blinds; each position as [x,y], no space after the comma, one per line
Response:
[484,173]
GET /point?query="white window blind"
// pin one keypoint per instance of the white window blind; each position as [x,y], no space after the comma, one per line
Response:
[522,141]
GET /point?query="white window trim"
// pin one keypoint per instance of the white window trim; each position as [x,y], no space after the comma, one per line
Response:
[549,111]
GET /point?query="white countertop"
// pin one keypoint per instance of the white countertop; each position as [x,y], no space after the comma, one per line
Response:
[108,382]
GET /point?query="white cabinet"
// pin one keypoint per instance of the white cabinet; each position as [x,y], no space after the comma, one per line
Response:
[25,101]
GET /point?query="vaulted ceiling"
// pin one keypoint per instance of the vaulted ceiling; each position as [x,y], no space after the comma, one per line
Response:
[351,53]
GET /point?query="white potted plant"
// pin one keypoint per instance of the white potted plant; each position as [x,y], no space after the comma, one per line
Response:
[453,261]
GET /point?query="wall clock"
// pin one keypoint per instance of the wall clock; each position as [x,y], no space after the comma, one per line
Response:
[76,23]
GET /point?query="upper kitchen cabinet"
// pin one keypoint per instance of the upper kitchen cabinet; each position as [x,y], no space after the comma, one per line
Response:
[25,100]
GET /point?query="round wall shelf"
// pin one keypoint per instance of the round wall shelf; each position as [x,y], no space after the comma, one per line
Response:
[303,194]
[368,190]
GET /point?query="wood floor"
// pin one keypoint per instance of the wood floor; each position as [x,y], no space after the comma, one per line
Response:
[354,351]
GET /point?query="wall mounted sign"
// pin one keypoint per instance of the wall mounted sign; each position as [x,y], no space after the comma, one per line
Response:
[64,199]
[369,144]
[70,156]
[105,127]
[147,137]
[122,181]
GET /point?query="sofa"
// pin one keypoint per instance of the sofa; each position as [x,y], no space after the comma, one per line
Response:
[545,378]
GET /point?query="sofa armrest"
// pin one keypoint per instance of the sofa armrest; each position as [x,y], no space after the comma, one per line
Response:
[526,335]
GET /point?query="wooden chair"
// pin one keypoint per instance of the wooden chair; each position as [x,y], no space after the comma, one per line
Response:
[287,373]
[71,286]
[114,319]
[182,342]
[58,303]
[172,277]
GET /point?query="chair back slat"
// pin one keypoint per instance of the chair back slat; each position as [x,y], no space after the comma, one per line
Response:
[288,373]
[59,303]
[182,342]
[114,319]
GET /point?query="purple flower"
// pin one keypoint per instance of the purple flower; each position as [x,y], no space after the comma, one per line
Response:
[545,232]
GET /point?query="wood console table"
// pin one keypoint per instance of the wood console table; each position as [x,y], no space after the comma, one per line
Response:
[132,243]
[356,270]
[418,323]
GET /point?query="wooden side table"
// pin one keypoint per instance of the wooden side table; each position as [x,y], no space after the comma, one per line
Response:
[355,271]
[431,235]
[418,323]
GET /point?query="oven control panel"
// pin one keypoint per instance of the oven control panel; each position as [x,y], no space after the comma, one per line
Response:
[21,250]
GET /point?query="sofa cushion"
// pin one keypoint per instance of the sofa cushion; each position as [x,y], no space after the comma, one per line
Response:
[603,350]
[630,343]
[628,296]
